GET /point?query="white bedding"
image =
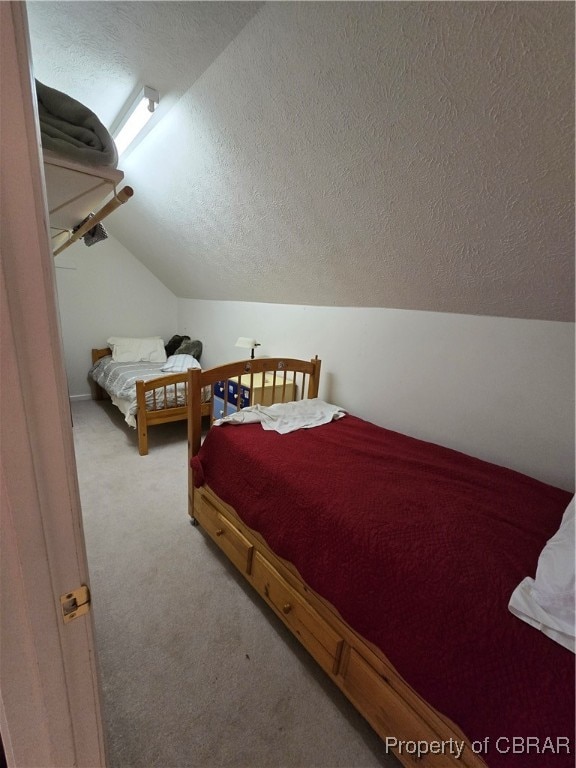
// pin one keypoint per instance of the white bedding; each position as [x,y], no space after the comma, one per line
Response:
[286,417]
[119,381]
[548,601]
[124,408]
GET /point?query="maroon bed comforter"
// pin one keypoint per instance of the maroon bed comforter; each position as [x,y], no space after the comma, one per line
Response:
[419,548]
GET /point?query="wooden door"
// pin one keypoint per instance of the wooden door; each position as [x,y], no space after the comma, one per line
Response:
[49,693]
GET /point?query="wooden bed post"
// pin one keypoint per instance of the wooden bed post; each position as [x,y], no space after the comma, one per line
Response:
[194,410]
[141,422]
[194,401]
[97,392]
[314,381]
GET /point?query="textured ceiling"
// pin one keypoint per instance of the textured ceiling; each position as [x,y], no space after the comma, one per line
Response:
[408,155]
[102,53]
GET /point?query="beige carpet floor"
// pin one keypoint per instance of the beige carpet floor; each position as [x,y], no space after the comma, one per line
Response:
[195,669]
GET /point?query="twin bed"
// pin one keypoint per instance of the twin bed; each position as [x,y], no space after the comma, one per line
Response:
[143,391]
[393,561]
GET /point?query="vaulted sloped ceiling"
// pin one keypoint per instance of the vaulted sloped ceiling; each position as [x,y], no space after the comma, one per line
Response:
[407,155]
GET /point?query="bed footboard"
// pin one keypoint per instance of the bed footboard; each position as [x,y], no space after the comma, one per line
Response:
[151,397]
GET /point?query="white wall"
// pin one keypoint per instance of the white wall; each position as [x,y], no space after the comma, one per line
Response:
[497,388]
[103,290]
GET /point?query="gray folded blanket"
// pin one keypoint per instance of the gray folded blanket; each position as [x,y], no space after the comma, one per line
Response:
[71,129]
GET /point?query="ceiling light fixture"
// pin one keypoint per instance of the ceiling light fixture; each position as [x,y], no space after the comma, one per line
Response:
[135,118]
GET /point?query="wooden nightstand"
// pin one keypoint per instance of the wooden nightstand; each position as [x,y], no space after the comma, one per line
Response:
[264,391]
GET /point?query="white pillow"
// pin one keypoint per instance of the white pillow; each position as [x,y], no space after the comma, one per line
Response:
[548,601]
[180,363]
[130,350]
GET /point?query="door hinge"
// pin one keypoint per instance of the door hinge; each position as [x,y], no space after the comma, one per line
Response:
[75,603]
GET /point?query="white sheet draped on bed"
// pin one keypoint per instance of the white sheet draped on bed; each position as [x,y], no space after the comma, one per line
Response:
[547,602]
[286,417]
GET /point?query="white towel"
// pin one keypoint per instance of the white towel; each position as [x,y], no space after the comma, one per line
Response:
[286,417]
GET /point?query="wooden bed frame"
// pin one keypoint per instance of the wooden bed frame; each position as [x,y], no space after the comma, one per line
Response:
[146,417]
[361,671]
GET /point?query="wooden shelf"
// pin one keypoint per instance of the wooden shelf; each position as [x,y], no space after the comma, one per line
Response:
[73,191]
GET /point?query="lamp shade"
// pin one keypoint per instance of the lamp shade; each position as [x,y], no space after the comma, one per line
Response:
[247,343]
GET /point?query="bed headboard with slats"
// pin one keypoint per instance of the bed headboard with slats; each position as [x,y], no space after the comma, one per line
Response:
[248,382]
